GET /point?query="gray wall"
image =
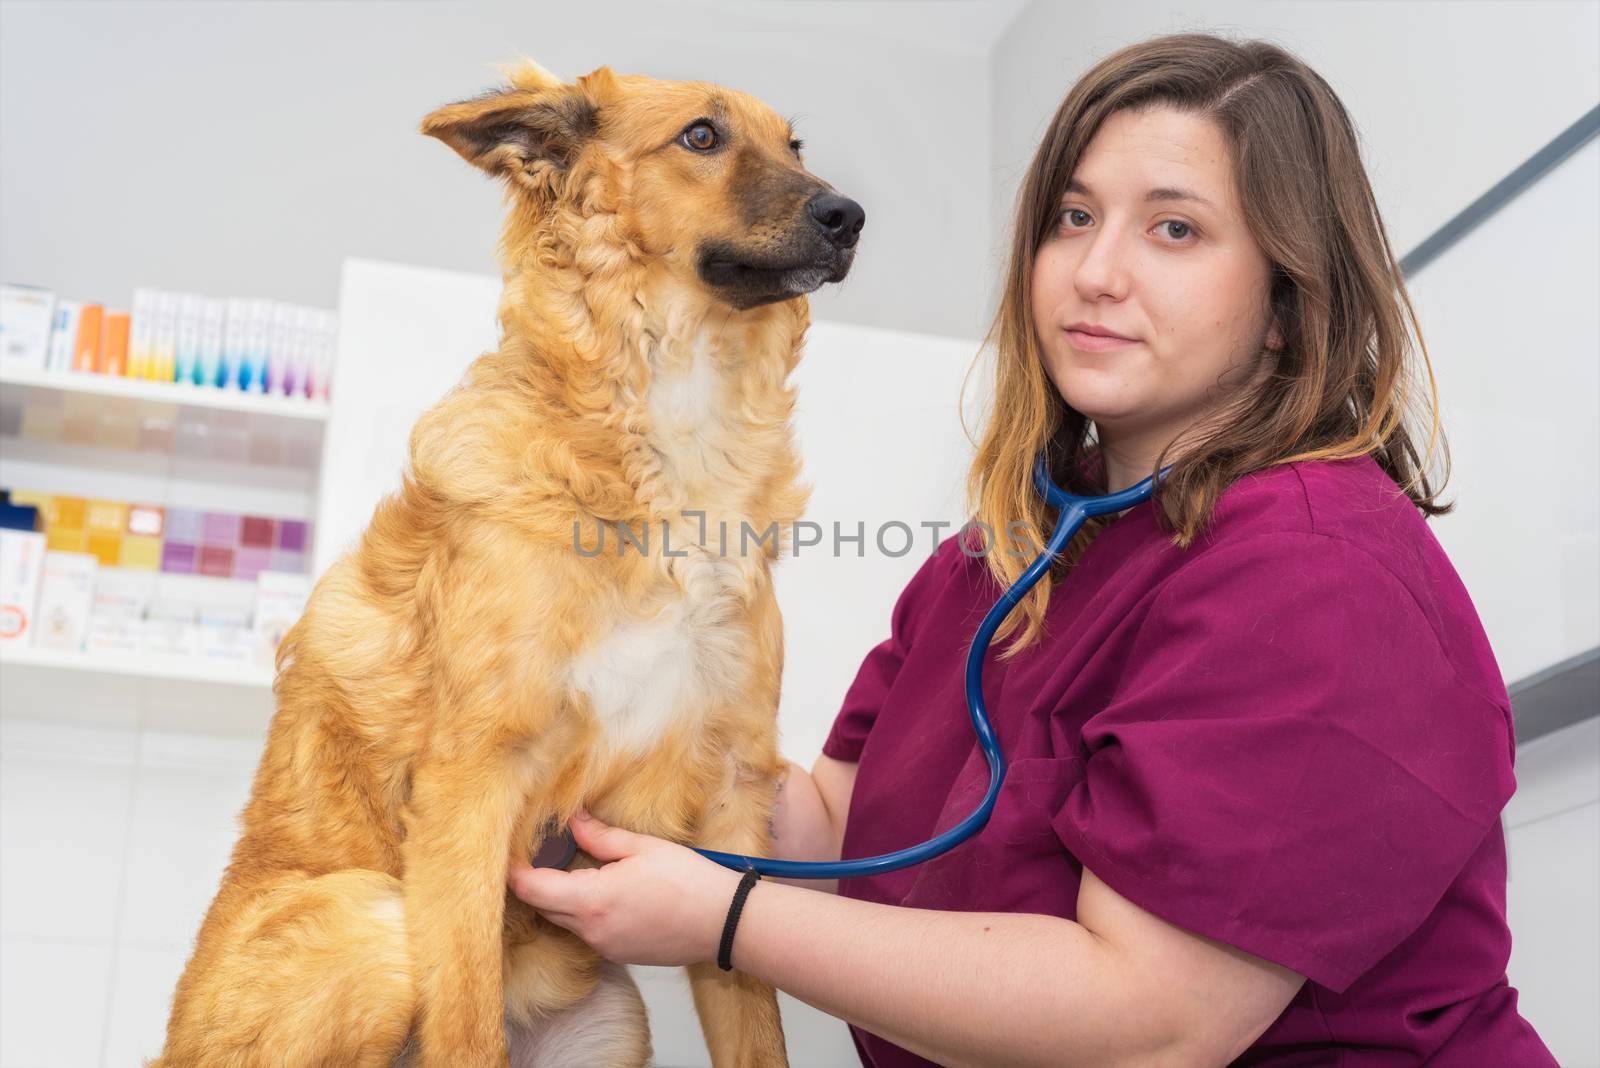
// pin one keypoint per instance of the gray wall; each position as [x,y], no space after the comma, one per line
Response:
[1448,97]
[245,148]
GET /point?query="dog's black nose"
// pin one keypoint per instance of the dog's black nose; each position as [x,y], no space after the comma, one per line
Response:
[840,218]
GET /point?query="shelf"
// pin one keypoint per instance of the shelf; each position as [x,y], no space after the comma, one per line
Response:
[182,477]
[187,396]
[46,415]
[139,665]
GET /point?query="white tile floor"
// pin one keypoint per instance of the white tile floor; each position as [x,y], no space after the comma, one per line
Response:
[112,840]
[111,844]
[113,837]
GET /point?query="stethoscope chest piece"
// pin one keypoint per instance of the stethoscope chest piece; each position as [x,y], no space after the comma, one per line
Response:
[556,849]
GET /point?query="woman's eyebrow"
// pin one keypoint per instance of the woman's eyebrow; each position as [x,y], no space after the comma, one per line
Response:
[1159,193]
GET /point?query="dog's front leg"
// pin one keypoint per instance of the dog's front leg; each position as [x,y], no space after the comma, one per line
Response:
[459,821]
[739,1013]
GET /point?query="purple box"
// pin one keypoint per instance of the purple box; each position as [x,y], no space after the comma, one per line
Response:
[284,560]
[183,525]
[249,562]
[292,535]
[177,557]
[220,528]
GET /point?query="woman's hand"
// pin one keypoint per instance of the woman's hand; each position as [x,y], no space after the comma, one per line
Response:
[653,902]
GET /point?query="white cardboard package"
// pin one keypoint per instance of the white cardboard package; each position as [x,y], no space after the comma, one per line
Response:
[21,563]
[27,314]
[66,595]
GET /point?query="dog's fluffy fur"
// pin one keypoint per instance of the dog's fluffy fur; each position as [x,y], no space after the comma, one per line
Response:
[464,675]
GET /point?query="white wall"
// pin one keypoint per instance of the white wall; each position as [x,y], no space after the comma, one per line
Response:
[237,148]
[1448,97]
[1511,317]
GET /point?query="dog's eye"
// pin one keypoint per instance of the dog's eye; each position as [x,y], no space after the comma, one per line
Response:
[702,137]
[796,145]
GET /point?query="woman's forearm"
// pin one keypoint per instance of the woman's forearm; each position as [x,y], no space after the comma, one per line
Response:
[959,988]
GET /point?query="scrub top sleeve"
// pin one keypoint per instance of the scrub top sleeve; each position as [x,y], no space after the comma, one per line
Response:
[882,664]
[1291,764]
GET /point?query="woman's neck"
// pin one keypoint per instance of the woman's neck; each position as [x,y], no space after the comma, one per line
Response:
[1131,459]
[1127,462]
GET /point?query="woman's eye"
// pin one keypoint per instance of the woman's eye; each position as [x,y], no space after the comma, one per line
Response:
[702,137]
[1069,220]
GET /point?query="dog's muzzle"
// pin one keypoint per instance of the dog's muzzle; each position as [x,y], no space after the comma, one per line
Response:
[820,250]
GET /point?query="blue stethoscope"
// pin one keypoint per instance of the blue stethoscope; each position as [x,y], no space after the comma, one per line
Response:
[559,848]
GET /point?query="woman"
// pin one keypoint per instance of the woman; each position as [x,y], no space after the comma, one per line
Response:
[1258,744]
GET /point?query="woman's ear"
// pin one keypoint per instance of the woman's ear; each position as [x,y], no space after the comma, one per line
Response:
[1275,341]
[507,132]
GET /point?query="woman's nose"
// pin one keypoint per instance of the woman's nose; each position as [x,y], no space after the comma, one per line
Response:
[1104,269]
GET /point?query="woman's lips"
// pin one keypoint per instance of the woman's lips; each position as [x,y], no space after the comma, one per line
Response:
[1096,342]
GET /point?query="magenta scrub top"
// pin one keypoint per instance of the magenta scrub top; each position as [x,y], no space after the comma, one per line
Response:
[1292,737]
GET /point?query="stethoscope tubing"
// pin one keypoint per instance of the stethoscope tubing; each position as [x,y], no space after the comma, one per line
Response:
[1072,512]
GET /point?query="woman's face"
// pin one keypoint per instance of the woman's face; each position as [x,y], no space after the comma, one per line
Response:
[1178,275]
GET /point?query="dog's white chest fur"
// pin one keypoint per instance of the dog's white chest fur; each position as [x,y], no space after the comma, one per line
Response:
[650,674]
[697,429]
[683,400]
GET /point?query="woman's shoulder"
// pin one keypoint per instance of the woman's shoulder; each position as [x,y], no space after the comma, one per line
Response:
[1353,501]
[1349,515]
[1337,498]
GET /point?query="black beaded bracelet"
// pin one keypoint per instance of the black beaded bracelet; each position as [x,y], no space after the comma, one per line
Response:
[725,953]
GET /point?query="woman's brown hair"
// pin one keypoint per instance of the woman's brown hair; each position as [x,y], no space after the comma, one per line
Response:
[1342,385]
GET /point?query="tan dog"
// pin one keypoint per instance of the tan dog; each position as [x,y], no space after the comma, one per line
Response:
[465,674]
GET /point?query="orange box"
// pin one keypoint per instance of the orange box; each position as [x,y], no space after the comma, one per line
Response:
[68,512]
[66,539]
[64,521]
[106,521]
[86,352]
[108,516]
[114,345]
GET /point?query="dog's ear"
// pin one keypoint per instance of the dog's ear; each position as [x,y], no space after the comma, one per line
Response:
[601,85]
[526,74]
[506,131]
